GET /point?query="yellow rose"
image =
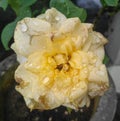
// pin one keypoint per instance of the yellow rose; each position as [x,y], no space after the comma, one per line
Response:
[60,61]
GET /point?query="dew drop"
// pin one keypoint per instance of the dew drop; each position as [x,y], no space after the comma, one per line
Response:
[23,27]
[57,18]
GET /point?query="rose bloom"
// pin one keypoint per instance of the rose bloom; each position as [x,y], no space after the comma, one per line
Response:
[60,61]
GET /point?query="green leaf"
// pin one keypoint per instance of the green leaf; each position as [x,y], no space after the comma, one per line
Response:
[4,4]
[21,5]
[27,3]
[103,3]
[111,3]
[69,9]
[15,5]
[69,110]
[7,34]
[43,10]
[106,59]
[24,12]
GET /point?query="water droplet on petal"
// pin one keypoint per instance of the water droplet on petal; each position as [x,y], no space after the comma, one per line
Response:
[23,27]
[57,18]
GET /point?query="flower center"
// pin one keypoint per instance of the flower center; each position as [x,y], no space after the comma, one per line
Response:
[62,62]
